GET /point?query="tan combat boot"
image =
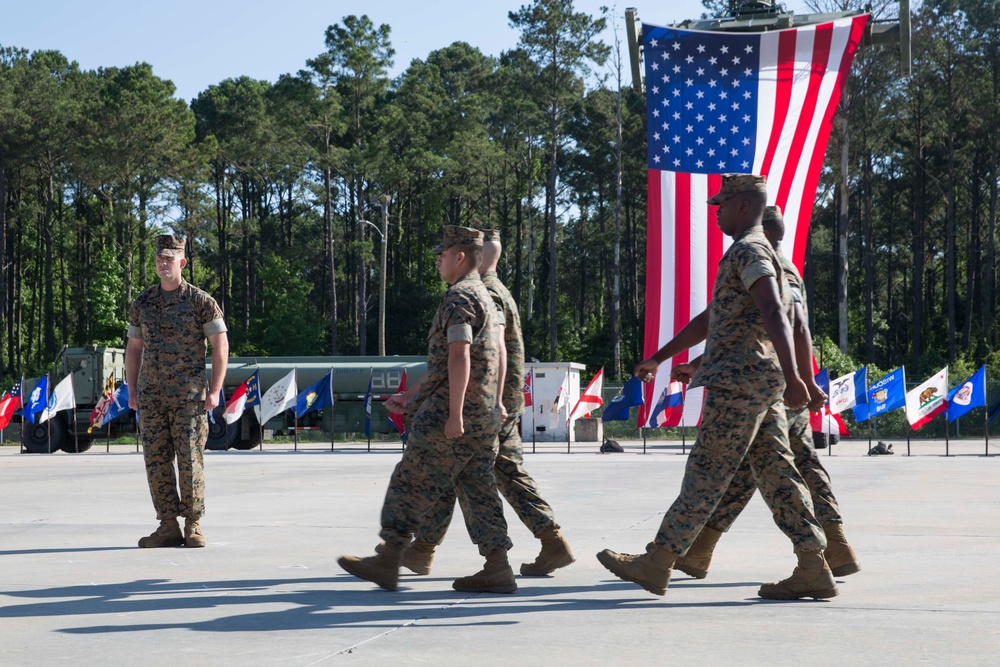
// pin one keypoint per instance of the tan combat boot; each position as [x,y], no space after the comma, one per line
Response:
[555,554]
[495,577]
[697,559]
[418,556]
[650,570]
[381,569]
[839,554]
[192,534]
[810,579]
[167,535]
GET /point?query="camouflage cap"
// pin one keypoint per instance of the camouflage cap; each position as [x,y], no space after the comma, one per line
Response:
[773,214]
[733,184]
[455,235]
[170,245]
[491,236]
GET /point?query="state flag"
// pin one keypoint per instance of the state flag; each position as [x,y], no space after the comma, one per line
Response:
[887,394]
[62,398]
[246,395]
[528,392]
[970,394]
[368,404]
[395,418]
[278,398]
[119,403]
[10,403]
[619,407]
[670,407]
[38,399]
[591,398]
[928,400]
[315,397]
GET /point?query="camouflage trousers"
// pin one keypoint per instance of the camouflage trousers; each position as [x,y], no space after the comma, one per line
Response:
[432,466]
[735,427]
[169,433]
[513,481]
[744,484]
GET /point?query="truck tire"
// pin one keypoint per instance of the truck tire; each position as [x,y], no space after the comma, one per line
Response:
[84,442]
[221,435]
[248,432]
[35,437]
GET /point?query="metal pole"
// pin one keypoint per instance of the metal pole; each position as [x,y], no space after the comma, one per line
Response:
[946,440]
[381,279]
[643,432]
[295,413]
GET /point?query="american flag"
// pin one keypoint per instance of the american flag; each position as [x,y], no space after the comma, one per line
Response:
[719,102]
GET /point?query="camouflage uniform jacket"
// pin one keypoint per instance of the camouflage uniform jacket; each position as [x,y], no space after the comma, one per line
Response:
[513,388]
[466,313]
[739,355]
[173,327]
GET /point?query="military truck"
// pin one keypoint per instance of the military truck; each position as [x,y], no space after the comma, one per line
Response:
[92,365]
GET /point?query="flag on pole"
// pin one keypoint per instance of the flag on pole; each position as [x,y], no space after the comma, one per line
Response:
[103,405]
[368,404]
[670,407]
[927,401]
[278,398]
[397,419]
[718,102]
[970,394]
[591,398]
[887,394]
[62,398]
[10,403]
[528,392]
[38,399]
[557,404]
[848,390]
[315,397]
[618,408]
[119,404]
[825,421]
[246,395]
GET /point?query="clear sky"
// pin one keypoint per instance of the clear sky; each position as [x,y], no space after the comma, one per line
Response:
[196,43]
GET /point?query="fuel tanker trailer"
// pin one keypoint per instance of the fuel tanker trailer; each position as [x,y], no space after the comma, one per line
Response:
[350,377]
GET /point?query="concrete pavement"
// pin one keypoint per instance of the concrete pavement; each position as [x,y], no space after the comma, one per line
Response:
[74,588]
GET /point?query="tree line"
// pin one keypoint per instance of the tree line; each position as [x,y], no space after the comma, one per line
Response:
[281,188]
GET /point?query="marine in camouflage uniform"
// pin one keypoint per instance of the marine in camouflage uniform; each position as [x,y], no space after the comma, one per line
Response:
[447,451]
[168,328]
[513,481]
[743,416]
[839,554]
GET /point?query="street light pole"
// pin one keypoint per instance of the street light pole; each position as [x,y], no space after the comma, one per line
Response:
[381,275]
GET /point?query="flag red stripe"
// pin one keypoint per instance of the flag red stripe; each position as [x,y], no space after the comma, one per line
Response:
[654,280]
[782,94]
[822,139]
[715,236]
[821,54]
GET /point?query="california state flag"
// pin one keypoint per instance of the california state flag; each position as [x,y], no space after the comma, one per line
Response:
[928,400]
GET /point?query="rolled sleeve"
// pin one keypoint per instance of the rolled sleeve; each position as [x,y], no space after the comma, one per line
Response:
[754,271]
[460,333]
[134,332]
[216,326]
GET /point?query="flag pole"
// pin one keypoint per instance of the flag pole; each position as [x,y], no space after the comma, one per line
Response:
[76,437]
[295,412]
[260,408]
[533,429]
[986,426]
[333,408]
[643,432]
[908,441]
[946,440]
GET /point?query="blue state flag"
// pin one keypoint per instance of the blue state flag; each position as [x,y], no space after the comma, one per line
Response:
[823,380]
[119,404]
[316,396]
[887,394]
[38,400]
[619,407]
[253,390]
[970,394]
[368,405]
